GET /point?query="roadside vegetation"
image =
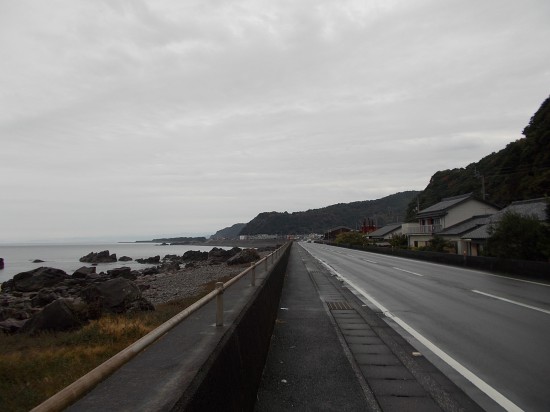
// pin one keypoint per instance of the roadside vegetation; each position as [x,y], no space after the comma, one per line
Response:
[33,368]
[351,239]
[520,237]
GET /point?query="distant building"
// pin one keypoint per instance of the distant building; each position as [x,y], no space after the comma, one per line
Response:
[383,235]
[258,237]
[332,233]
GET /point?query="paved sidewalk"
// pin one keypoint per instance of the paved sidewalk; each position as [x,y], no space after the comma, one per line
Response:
[331,353]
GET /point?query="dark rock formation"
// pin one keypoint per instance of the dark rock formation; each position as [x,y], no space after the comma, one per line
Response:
[37,261]
[99,257]
[36,279]
[121,295]
[218,255]
[84,272]
[150,271]
[57,316]
[151,260]
[71,300]
[123,272]
[1,263]
[125,259]
[244,256]
[44,297]
[194,256]
[11,325]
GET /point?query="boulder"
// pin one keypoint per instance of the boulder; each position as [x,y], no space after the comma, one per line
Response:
[12,325]
[37,279]
[124,272]
[195,256]
[218,255]
[44,297]
[91,296]
[150,271]
[84,272]
[244,256]
[125,259]
[57,316]
[120,295]
[151,260]
[6,313]
[99,257]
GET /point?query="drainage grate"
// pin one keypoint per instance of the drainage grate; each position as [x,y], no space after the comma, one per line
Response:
[341,305]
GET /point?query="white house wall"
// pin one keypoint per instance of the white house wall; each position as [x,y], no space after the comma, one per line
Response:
[465,211]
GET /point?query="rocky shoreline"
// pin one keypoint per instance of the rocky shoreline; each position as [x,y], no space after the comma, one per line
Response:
[50,299]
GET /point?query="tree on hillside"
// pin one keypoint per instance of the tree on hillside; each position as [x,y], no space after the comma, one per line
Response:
[351,238]
[517,236]
[519,171]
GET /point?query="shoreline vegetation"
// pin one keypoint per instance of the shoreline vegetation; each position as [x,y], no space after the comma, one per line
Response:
[33,368]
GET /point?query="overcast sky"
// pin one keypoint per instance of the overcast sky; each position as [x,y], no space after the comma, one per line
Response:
[125,119]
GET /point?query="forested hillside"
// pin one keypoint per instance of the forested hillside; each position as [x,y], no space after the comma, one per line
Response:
[231,232]
[382,211]
[519,171]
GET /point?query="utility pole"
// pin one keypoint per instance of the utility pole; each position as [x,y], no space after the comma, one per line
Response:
[478,175]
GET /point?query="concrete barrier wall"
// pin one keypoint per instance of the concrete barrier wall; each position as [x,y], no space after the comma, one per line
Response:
[230,378]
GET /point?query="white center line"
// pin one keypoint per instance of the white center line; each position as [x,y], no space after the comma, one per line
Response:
[512,301]
[368,260]
[498,397]
[407,271]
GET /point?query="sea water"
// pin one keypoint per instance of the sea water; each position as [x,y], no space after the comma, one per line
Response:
[19,258]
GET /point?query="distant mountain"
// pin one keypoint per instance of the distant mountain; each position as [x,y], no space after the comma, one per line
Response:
[231,232]
[382,211]
[520,171]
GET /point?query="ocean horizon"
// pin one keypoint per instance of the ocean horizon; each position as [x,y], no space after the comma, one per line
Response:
[20,257]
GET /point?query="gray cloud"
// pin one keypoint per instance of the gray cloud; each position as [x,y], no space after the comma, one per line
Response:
[134,117]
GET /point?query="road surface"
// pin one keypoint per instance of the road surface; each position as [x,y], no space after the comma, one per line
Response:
[490,334]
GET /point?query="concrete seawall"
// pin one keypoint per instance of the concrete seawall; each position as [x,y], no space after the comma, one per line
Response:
[229,380]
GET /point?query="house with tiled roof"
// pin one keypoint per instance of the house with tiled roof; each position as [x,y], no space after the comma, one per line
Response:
[445,214]
[385,233]
[476,239]
[454,234]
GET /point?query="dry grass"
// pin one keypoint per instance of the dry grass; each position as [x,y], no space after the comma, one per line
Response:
[34,368]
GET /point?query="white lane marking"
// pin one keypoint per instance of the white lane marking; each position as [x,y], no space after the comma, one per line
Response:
[518,280]
[456,267]
[512,301]
[368,260]
[407,271]
[478,382]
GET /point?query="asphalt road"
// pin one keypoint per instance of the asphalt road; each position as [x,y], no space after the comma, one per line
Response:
[488,333]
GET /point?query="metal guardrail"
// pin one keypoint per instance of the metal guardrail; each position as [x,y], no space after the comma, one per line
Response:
[81,386]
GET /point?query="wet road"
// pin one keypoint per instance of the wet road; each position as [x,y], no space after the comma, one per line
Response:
[490,334]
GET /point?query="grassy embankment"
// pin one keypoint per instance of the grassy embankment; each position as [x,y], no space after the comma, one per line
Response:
[32,369]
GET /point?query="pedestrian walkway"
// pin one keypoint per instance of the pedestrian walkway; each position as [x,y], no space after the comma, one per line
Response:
[329,352]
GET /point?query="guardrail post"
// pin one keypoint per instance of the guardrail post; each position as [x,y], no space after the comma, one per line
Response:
[253,274]
[219,304]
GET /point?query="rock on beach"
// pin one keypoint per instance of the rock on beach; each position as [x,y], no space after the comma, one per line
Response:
[72,300]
